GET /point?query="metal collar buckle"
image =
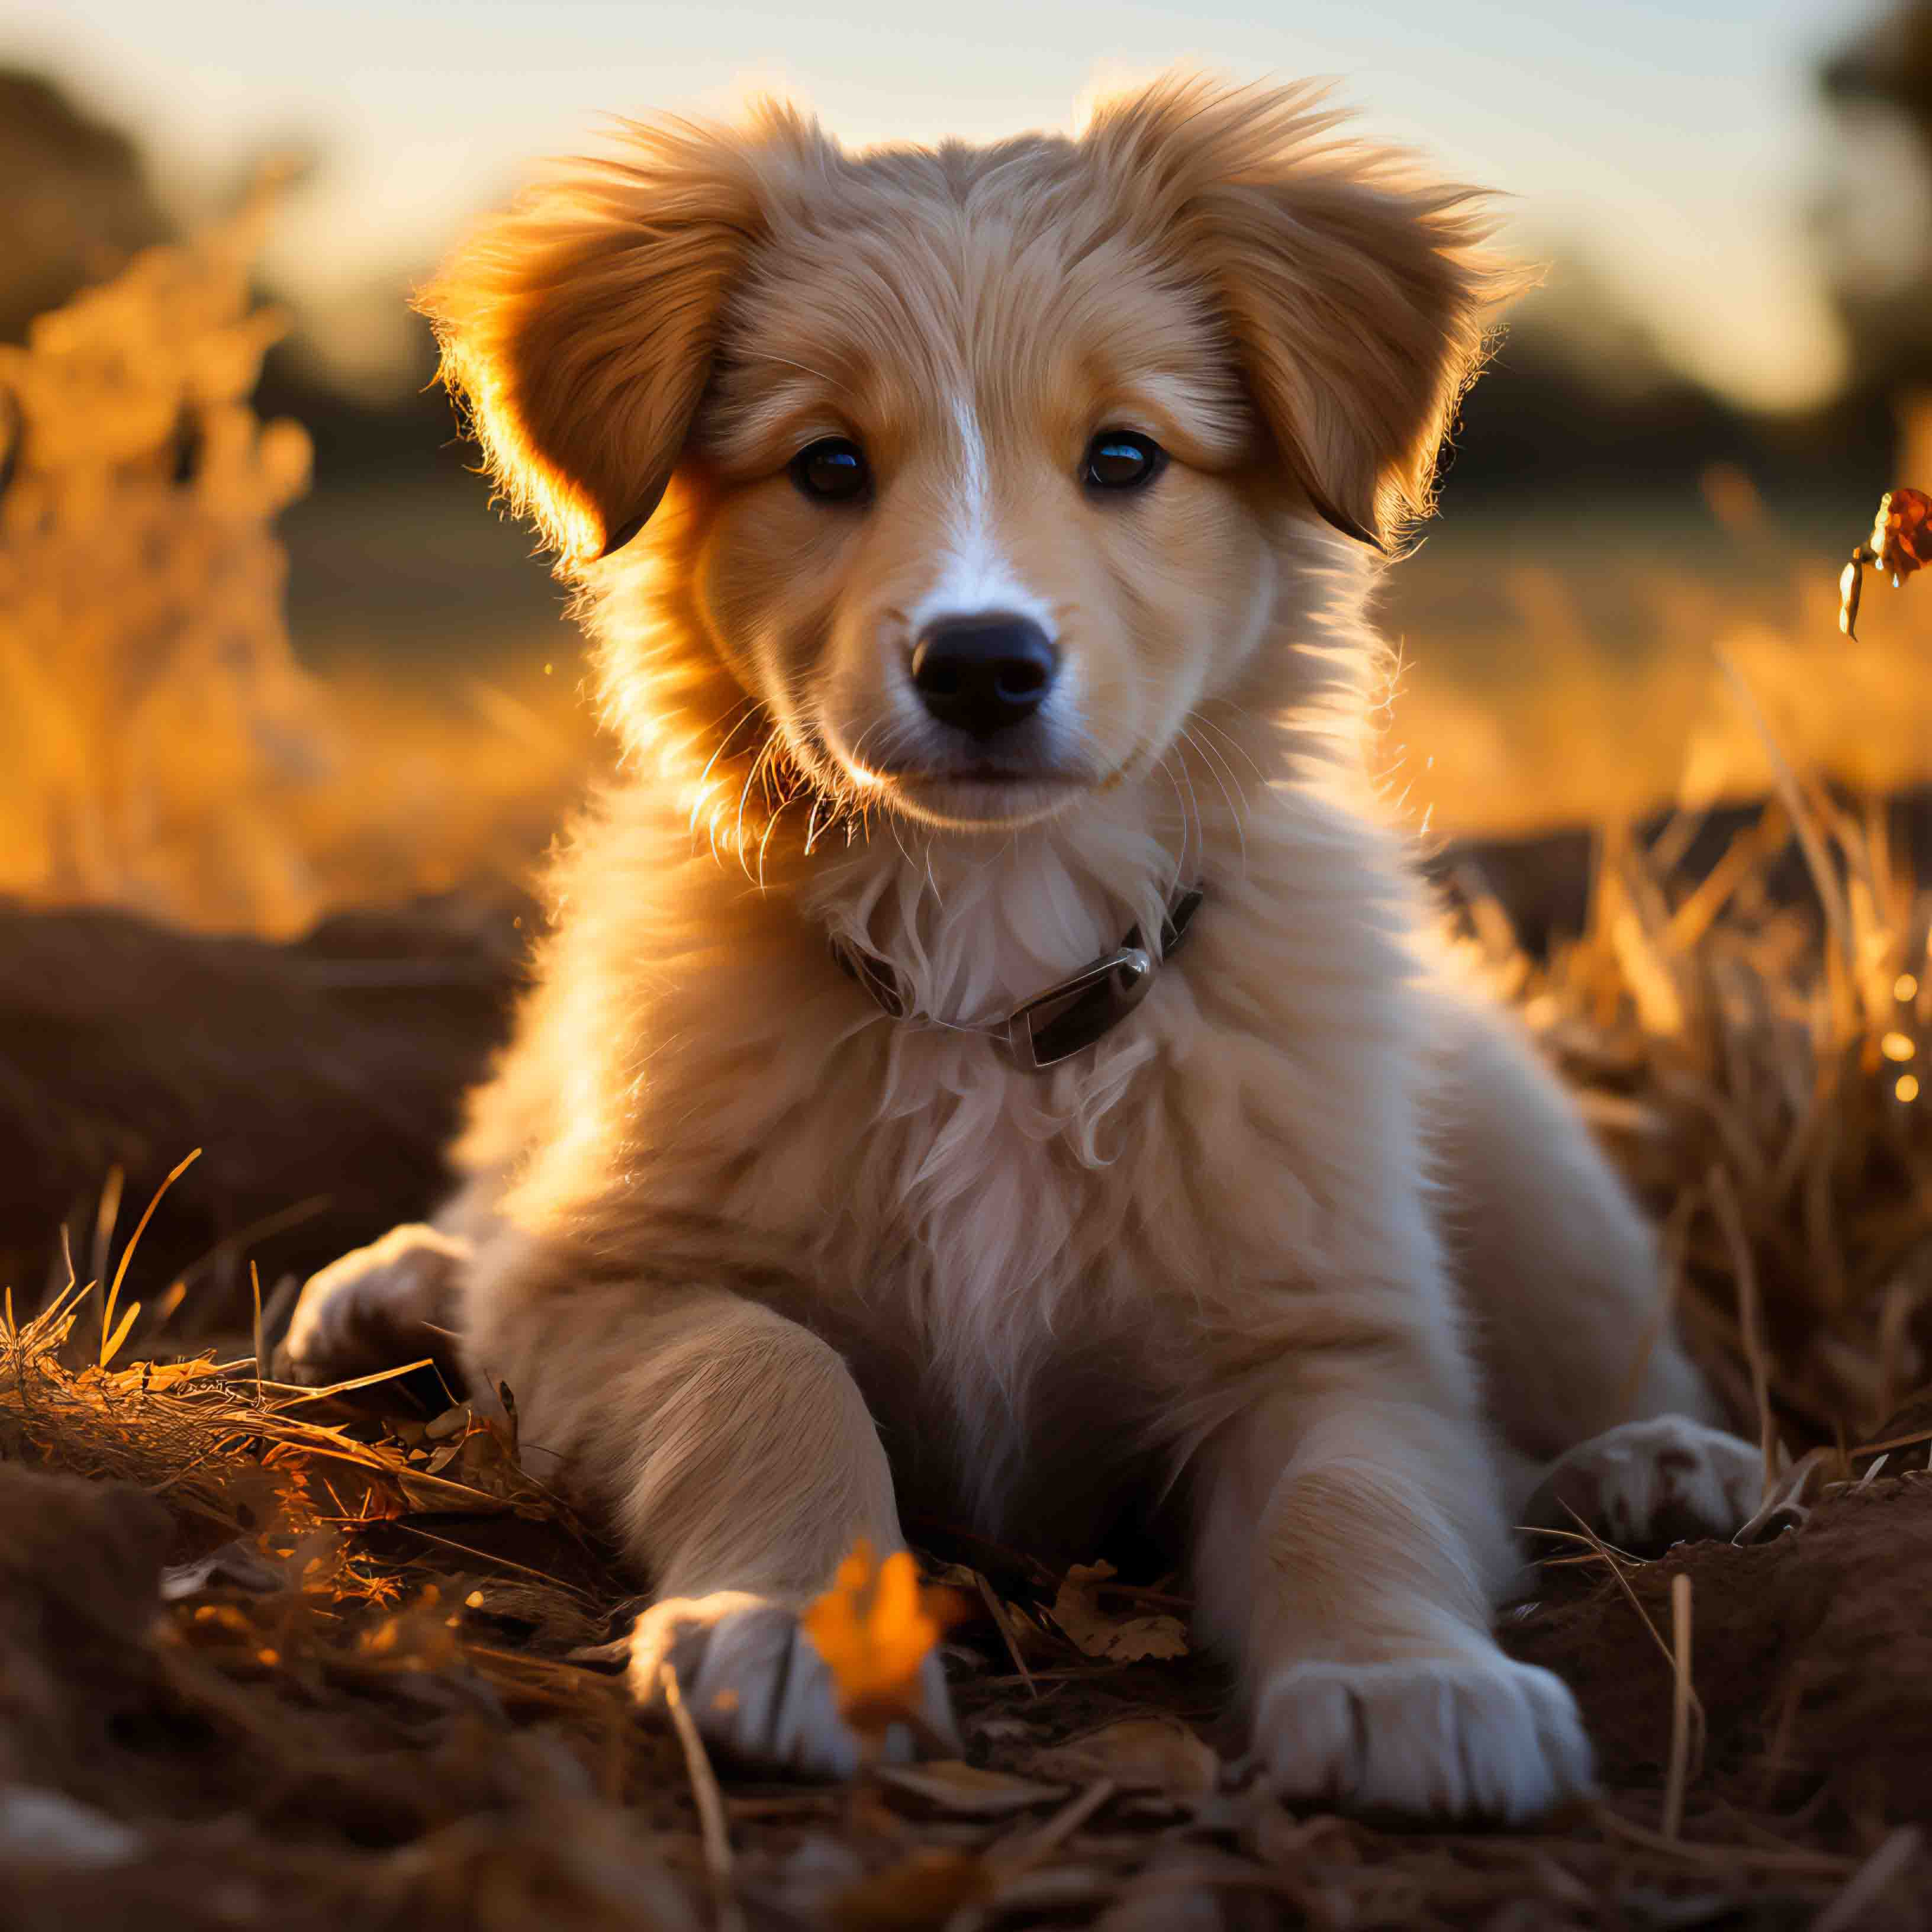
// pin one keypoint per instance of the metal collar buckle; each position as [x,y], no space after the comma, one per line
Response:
[1068,1017]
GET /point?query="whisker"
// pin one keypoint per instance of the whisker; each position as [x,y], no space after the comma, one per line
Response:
[1180,863]
[1200,829]
[892,826]
[1238,814]
[1228,738]
[771,826]
[703,777]
[1206,747]
[741,709]
[765,753]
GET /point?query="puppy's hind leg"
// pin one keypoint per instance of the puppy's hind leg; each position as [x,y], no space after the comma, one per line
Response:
[1602,1411]
[737,1459]
[1644,1486]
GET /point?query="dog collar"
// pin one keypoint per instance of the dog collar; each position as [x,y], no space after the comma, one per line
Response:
[1070,1016]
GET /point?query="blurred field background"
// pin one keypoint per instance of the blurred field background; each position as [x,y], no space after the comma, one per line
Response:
[266,650]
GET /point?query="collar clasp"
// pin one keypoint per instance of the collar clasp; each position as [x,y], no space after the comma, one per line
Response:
[1066,1018]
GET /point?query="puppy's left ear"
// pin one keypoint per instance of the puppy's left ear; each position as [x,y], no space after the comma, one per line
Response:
[1357,293]
[579,326]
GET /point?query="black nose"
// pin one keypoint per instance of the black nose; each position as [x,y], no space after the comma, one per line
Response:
[983,673]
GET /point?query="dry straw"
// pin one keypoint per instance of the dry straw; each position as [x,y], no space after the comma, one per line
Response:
[162,748]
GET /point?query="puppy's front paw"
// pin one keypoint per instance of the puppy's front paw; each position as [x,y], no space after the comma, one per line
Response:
[375,1308]
[1435,1738]
[760,1692]
[1644,1486]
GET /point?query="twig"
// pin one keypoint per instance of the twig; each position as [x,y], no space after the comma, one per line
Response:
[1616,1559]
[1780,1738]
[133,1242]
[255,1289]
[997,1611]
[1024,1850]
[1910,1440]
[1820,1864]
[1682,1702]
[1787,1497]
[1869,1882]
[544,1576]
[710,1804]
[106,1215]
[292,1395]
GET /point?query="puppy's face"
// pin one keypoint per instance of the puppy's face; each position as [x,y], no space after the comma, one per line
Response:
[979,525]
[983,460]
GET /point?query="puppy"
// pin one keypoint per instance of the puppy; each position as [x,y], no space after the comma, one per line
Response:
[991,1061]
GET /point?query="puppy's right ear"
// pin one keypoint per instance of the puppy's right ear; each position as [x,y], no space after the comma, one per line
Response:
[579,326]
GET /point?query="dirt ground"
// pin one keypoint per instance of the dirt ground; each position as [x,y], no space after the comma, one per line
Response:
[265,1665]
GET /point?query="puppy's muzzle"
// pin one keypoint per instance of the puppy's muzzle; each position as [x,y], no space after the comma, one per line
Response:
[983,674]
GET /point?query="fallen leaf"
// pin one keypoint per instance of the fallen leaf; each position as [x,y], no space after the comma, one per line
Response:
[1276,1836]
[472,1467]
[456,1421]
[1138,1754]
[965,1791]
[1129,1636]
[875,1627]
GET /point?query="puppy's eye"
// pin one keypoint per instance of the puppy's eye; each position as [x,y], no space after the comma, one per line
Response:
[832,470]
[1122,459]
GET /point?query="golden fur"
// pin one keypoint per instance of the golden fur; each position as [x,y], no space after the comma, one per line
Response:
[1308,1263]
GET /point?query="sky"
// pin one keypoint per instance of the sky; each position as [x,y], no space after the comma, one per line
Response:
[1675,145]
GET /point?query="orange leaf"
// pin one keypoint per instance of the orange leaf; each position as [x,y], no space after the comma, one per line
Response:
[874,1628]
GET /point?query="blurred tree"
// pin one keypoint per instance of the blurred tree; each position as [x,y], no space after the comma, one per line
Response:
[75,201]
[1874,220]
[1579,397]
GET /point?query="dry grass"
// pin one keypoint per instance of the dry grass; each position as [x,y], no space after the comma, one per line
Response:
[1756,1066]
[163,749]
[1566,665]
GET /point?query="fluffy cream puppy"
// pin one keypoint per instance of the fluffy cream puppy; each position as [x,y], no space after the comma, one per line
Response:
[976,543]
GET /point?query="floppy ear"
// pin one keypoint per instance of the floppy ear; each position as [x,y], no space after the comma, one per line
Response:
[579,326]
[1356,292]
